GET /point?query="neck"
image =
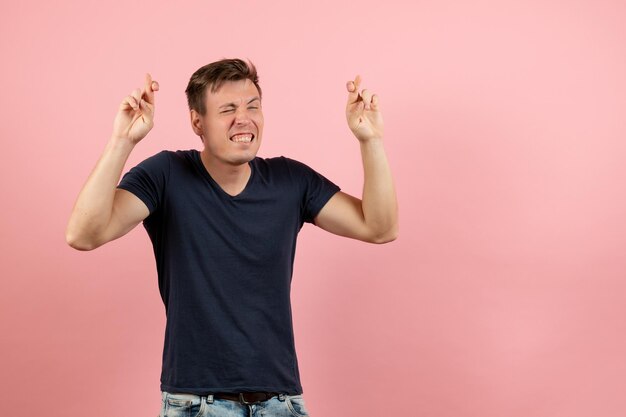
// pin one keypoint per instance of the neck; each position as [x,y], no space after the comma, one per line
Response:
[231,178]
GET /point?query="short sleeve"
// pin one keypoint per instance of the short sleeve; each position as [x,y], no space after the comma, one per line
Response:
[316,189]
[148,179]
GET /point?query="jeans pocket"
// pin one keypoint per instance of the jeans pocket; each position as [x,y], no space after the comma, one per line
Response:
[296,406]
[182,405]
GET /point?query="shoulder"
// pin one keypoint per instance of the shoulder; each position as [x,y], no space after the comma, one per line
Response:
[158,158]
[187,155]
[152,165]
[283,167]
[168,154]
[169,159]
[282,162]
[164,161]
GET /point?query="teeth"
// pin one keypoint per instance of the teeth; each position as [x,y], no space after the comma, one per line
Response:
[245,138]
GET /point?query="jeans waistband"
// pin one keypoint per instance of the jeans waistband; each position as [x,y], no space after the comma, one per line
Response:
[197,399]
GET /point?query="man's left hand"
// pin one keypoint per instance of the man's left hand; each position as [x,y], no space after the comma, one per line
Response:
[363,112]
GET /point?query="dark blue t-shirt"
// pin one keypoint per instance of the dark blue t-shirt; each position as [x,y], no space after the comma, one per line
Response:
[224,268]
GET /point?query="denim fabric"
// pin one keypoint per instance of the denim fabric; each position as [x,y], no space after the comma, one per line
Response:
[190,405]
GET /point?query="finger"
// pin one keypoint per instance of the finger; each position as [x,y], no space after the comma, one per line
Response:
[353,89]
[355,109]
[367,98]
[353,94]
[375,102]
[148,90]
[146,108]
[129,102]
[136,94]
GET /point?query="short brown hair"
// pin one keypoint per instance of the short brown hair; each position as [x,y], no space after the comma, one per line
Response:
[214,75]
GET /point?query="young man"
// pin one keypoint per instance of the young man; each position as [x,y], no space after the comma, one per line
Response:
[223,224]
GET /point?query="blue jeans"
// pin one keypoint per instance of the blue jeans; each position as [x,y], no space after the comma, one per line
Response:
[190,405]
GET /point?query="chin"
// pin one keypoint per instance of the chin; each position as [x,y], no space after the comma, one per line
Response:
[243,159]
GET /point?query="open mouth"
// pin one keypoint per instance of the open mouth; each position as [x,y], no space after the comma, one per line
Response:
[242,138]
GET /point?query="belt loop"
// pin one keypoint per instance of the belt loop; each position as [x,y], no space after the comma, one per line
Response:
[209,399]
[281,397]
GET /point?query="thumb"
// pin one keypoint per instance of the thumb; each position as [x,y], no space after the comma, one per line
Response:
[354,114]
[147,108]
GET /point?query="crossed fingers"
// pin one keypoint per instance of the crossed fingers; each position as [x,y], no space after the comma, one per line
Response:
[369,99]
[136,96]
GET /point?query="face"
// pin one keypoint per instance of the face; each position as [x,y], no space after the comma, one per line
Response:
[232,127]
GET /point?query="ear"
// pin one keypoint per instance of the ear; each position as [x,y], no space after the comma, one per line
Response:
[196,122]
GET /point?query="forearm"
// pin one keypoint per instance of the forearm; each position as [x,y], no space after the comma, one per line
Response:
[379,203]
[93,207]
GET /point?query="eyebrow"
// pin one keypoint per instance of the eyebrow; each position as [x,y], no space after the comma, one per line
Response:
[234,105]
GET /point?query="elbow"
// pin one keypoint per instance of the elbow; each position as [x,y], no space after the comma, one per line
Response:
[78,243]
[389,236]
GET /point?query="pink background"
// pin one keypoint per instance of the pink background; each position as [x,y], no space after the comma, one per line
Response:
[504,294]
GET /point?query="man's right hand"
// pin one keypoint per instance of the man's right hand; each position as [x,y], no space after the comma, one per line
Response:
[135,116]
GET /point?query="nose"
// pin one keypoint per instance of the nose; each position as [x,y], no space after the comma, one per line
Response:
[242,117]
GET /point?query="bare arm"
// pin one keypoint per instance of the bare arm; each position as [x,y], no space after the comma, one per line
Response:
[102,212]
[374,218]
